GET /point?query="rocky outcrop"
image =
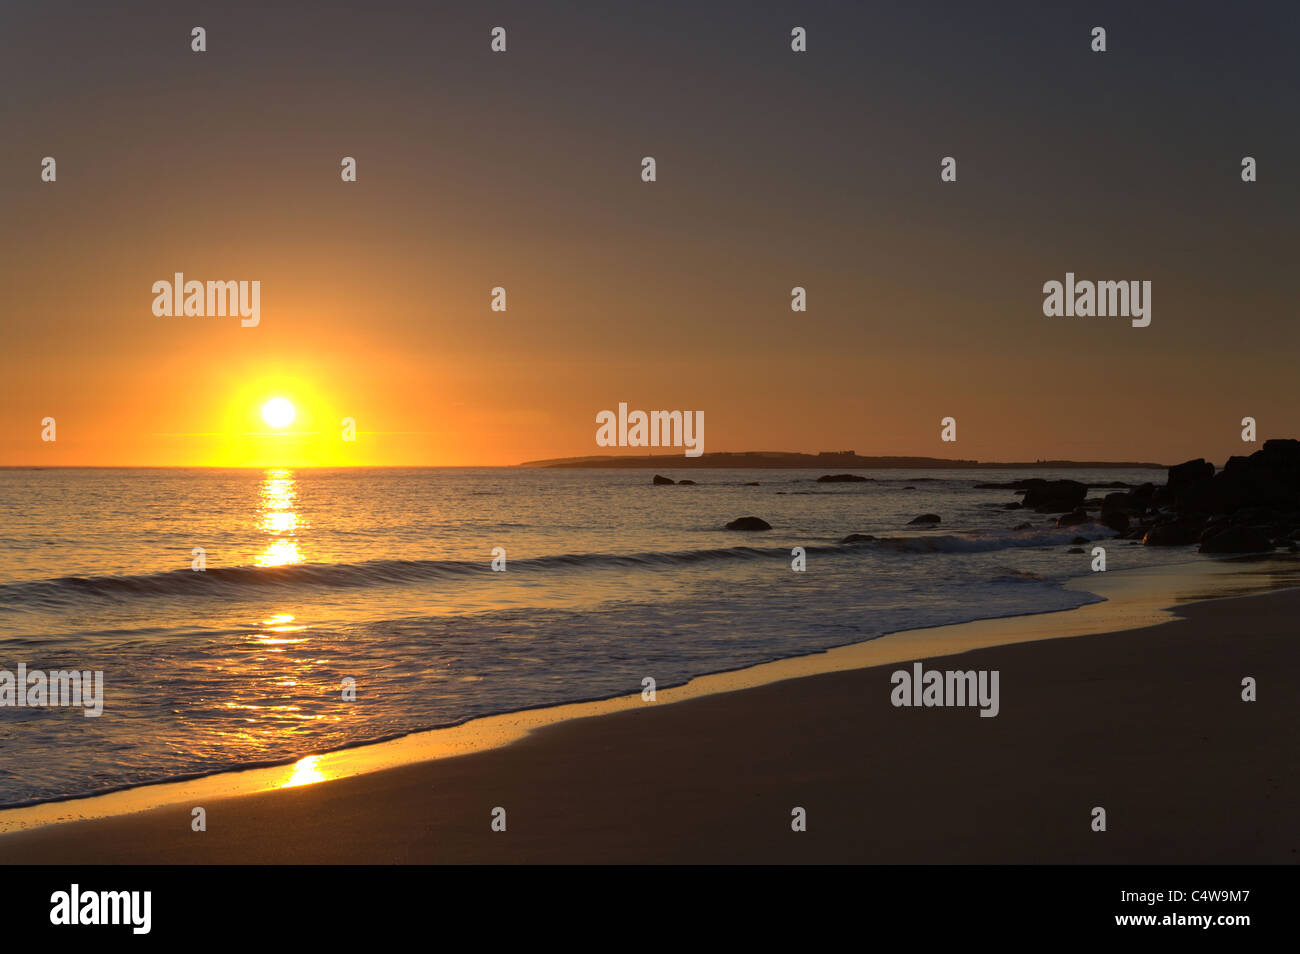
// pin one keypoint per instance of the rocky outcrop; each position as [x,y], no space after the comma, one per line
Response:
[1116,510]
[1236,540]
[1270,477]
[858,538]
[842,479]
[749,523]
[1188,473]
[1118,522]
[1175,534]
[1258,496]
[1054,496]
[928,519]
[659,480]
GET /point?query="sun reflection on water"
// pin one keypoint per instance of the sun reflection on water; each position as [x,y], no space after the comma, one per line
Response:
[278,518]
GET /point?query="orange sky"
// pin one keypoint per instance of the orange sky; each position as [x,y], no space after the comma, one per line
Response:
[523,171]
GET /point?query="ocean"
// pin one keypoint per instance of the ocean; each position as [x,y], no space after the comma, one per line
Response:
[384,577]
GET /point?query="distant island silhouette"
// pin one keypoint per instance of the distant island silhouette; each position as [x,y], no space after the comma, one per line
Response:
[825,459]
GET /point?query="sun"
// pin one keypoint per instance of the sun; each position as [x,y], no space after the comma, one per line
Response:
[278,412]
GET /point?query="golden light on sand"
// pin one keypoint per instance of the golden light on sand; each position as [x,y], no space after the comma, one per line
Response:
[278,412]
[305,772]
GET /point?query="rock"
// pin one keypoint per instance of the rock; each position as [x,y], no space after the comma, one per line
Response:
[1280,459]
[1023,526]
[685,483]
[909,488]
[924,518]
[749,523]
[1078,540]
[1118,503]
[1250,482]
[659,479]
[1237,540]
[1255,517]
[1115,520]
[1175,534]
[1075,550]
[1072,519]
[842,479]
[1054,496]
[1188,473]
[858,538]
[752,483]
[1213,527]
[1115,510]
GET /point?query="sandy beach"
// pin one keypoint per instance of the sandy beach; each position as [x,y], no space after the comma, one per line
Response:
[1147,723]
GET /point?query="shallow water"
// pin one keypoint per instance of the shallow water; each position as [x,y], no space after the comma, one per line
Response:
[383,577]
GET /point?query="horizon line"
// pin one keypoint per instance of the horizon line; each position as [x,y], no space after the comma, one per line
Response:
[594,462]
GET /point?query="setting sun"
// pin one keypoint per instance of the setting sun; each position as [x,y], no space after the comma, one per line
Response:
[278,412]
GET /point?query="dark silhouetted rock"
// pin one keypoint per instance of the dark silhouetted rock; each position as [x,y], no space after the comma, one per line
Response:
[1172,535]
[1072,519]
[1214,526]
[660,479]
[1075,550]
[1116,509]
[1077,540]
[842,479]
[1188,473]
[1114,519]
[685,483]
[1237,540]
[858,538]
[1270,477]
[1023,526]
[749,523]
[752,483]
[928,518]
[1054,496]
[1255,517]
[1119,503]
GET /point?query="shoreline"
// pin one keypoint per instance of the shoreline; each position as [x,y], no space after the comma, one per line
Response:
[1131,599]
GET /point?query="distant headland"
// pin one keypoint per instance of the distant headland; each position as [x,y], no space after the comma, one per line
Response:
[826,459]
